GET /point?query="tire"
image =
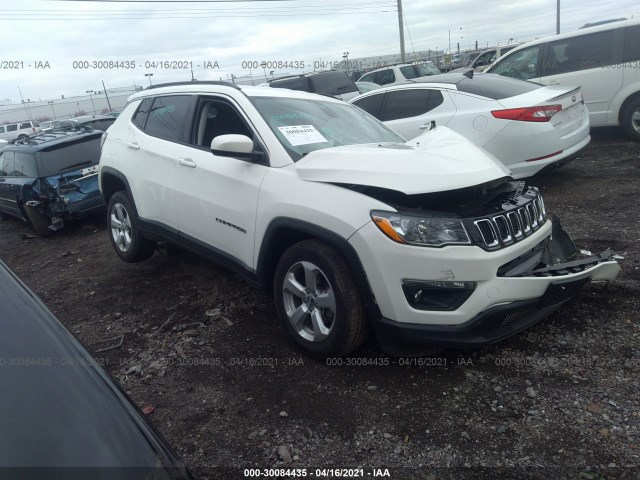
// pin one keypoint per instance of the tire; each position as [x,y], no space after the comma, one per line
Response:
[317,301]
[122,225]
[630,119]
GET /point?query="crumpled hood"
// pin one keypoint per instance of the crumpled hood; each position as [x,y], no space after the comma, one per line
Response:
[436,161]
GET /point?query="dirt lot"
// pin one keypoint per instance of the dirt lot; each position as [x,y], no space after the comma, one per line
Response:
[205,350]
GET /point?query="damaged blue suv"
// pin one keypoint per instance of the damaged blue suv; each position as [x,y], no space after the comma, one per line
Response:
[48,178]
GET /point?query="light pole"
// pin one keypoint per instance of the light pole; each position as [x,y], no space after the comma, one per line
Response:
[149,75]
[77,108]
[271,72]
[91,92]
[50,102]
[345,55]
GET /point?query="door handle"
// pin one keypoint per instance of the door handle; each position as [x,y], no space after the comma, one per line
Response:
[133,145]
[431,124]
[187,162]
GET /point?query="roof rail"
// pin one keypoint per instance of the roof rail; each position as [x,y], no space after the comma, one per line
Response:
[190,82]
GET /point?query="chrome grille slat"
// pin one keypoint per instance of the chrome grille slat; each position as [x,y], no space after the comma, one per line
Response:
[502,229]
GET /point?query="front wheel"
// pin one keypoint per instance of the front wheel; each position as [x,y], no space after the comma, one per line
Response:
[122,224]
[630,119]
[317,301]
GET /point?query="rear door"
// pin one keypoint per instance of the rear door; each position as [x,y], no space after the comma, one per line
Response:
[410,112]
[157,136]
[9,188]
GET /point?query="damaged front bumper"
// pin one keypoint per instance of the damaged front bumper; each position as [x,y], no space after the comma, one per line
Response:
[521,292]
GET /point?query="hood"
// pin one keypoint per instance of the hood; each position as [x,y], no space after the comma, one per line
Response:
[437,161]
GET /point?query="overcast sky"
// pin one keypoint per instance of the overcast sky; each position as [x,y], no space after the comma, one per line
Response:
[61,32]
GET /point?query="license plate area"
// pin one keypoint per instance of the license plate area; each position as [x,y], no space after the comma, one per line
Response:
[559,292]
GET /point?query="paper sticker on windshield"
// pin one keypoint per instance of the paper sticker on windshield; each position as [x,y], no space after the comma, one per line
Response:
[302,135]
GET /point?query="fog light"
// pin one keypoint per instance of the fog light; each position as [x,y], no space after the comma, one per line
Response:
[437,295]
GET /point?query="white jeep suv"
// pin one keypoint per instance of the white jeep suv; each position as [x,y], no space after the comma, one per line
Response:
[429,242]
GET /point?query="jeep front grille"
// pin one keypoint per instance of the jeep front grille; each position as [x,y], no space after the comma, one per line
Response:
[517,221]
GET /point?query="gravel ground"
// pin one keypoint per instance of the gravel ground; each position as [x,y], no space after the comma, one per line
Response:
[203,348]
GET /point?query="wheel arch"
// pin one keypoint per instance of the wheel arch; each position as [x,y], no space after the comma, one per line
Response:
[283,232]
[112,181]
[635,95]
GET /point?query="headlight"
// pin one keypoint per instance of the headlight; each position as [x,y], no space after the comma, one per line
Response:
[419,230]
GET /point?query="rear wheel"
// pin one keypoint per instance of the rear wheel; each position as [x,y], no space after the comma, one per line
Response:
[317,301]
[122,224]
[630,119]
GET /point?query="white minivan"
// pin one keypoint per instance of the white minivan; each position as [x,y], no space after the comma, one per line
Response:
[604,60]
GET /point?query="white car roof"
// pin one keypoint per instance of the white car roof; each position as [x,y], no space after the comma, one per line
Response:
[231,89]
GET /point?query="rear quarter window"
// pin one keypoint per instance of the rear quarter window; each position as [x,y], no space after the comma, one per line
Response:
[140,117]
[496,87]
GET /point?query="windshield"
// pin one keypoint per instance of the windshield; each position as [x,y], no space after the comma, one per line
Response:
[303,125]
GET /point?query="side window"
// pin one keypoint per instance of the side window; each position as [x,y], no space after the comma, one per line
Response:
[522,64]
[384,77]
[140,117]
[1,128]
[485,58]
[631,44]
[579,53]
[217,118]
[169,117]
[2,172]
[24,165]
[367,78]
[435,99]
[371,104]
[12,128]
[25,125]
[406,103]
[7,164]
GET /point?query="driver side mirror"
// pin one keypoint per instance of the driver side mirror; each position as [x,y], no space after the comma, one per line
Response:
[237,146]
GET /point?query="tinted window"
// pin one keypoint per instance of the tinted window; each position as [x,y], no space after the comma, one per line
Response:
[371,104]
[101,124]
[71,156]
[522,64]
[24,165]
[495,86]
[140,117]
[332,83]
[579,53]
[168,117]
[406,103]
[294,83]
[2,174]
[631,44]
[382,77]
[435,99]
[2,129]
[7,163]
[12,128]
[25,125]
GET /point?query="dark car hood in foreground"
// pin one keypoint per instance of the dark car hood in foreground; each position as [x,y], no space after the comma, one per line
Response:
[58,409]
